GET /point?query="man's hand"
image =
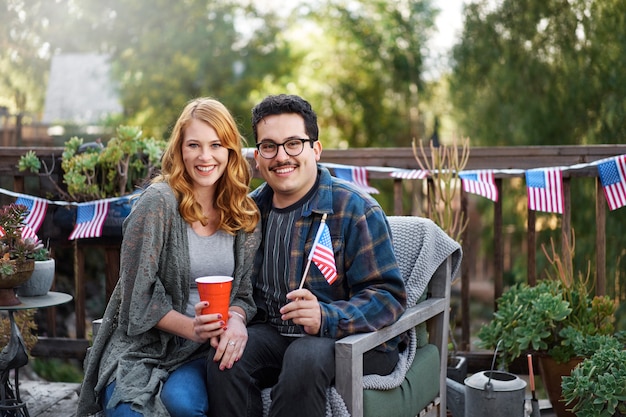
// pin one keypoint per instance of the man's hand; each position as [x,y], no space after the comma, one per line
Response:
[304,309]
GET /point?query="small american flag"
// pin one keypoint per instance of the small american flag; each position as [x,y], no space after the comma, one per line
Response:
[89,220]
[480,182]
[613,177]
[357,176]
[37,208]
[545,190]
[322,254]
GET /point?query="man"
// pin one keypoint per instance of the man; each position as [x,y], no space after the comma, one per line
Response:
[291,340]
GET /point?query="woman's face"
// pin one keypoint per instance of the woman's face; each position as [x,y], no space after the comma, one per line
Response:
[204,156]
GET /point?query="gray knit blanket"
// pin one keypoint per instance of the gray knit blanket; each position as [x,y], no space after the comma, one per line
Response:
[421,247]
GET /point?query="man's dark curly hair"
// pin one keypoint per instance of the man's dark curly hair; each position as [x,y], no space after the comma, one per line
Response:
[286,103]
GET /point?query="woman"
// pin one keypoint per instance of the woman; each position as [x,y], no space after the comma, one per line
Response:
[195,219]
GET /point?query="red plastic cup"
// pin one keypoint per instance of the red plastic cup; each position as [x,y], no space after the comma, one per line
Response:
[215,290]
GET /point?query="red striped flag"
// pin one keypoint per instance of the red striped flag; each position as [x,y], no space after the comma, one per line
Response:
[357,176]
[322,254]
[480,182]
[613,177]
[37,208]
[89,220]
[545,190]
[410,174]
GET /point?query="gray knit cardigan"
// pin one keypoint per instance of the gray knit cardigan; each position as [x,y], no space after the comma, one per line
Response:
[154,279]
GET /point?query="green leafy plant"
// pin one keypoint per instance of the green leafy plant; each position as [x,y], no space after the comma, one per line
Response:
[93,171]
[597,386]
[558,316]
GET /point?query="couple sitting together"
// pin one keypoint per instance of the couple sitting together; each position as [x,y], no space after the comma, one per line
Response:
[156,354]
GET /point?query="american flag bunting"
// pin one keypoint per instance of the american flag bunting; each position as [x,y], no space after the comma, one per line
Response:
[545,190]
[410,174]
[480,182]
[613,177]
[357,176]
[37,208]
[89,220]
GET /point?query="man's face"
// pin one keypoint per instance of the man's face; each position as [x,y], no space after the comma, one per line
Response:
[291,177]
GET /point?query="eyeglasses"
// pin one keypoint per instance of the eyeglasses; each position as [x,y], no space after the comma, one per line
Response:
[292,147]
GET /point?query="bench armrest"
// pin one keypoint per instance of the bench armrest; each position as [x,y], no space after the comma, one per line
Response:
[349,350]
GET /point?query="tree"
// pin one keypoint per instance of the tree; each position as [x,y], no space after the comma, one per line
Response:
[29,33]
[373,68]
[165,53]
[532,72]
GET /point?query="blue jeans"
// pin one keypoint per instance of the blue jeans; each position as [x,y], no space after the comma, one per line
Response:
[184,393]
[299,370]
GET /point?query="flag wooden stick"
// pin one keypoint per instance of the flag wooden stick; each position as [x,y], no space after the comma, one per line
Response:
[531,375]
[308,264]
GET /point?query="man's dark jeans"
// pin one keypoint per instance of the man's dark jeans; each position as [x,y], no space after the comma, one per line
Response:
[300,369]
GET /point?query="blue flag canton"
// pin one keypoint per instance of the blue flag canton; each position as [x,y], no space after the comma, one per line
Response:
[25,202]
[344,174]
[609,174]
[536,179]
[85,213]
[325,238]
[469,177]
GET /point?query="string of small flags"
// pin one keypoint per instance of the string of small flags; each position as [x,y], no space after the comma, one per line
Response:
[544,190]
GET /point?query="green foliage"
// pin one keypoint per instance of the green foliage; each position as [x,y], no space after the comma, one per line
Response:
[364,68]
[92,171]
[549,317]
[597,386]
[527,317]
[530,72]
[57,370]
[25,321]
[29,162]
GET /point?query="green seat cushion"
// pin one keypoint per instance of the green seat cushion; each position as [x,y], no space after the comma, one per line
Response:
[419,388]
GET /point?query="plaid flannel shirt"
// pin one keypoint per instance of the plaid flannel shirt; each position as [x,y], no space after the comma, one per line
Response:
[369,291]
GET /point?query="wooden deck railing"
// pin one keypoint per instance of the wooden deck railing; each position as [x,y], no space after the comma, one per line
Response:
[498,158]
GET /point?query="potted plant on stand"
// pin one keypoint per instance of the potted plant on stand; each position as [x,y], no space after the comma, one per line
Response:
[558,318]
[16,253]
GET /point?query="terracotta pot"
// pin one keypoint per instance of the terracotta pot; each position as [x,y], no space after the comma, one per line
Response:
[551,374]
[9,282]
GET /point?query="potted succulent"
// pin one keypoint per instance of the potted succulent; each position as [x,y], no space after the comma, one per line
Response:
[558,318]
[16,253]
[42,277]
[597,386]
[95,171]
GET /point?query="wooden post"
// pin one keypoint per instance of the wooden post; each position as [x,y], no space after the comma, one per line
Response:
[397,197]
[566,227]
[531,244]
[600,239]
[498,246]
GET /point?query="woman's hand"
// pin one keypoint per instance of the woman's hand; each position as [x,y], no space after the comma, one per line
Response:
[230,345]
[207,326]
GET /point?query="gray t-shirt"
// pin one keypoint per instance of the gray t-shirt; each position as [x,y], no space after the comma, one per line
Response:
[209,255]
